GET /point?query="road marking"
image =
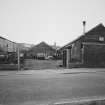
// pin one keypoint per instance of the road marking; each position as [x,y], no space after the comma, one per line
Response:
[80,100]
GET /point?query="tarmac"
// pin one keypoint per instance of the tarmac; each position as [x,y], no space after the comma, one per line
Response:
[57,72]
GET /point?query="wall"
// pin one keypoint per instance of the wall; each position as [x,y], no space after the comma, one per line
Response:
[93,38]
[76,51]
[7,45]
[94,54]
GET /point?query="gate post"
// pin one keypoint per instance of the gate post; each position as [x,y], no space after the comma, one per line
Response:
[67,58]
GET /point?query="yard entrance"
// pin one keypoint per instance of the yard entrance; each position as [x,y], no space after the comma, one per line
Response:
[32,64]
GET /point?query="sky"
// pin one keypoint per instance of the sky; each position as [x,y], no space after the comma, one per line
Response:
[60,21]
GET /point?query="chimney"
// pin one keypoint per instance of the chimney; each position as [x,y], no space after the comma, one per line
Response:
[84,27]
[55,44]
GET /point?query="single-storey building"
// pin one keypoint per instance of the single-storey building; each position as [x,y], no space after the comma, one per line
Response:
[87,50]
[41,51]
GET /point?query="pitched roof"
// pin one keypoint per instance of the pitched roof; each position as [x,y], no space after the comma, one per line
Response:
[41,47]
[98,30]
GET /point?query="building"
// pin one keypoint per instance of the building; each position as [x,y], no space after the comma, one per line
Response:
[88,50]
[41,50]
[7,45]
[8,51]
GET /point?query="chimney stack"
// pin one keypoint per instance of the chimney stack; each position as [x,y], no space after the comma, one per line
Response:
[84,27]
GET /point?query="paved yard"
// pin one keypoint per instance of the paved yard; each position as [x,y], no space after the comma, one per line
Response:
[51,86]
[41,64]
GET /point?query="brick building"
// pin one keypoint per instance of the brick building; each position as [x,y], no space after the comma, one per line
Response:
[41,50]
[7,45]
[87,50]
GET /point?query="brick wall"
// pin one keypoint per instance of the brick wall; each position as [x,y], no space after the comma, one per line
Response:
[94,54]
[76,51]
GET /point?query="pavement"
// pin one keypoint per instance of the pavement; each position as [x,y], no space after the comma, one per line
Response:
[50,71]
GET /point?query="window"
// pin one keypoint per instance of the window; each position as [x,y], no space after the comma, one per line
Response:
[101,38]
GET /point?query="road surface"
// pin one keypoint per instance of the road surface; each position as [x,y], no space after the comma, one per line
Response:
[50,86]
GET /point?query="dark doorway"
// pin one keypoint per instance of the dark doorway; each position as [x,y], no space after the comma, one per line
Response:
[64,58]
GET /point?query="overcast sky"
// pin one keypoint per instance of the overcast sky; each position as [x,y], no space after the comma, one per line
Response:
[60,21]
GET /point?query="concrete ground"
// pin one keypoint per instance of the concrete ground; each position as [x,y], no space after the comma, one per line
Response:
[42,87]
[41,64]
